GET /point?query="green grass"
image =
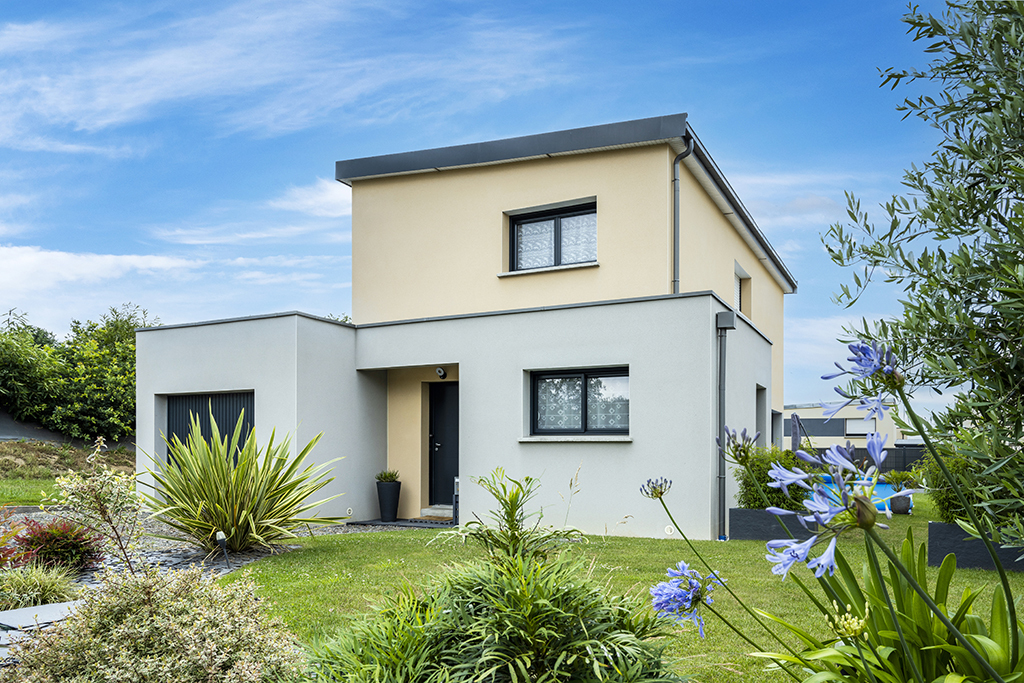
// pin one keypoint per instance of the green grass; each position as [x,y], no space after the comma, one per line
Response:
[331,579]
[29,467]
[25,491]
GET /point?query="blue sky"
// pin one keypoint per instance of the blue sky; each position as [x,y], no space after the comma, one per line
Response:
[180,155]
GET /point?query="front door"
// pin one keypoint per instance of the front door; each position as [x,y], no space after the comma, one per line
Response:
[444,441]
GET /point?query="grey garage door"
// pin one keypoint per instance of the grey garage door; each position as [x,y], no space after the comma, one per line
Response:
[225,408]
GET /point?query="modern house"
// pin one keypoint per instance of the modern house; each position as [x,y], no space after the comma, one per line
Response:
[595,299]
[850,425]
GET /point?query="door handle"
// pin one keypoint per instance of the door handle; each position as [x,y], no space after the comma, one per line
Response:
[436,445]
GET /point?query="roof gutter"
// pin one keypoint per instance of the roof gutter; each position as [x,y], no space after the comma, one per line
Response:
[675,209]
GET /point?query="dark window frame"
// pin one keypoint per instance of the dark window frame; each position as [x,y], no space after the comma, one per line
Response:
[584,374]
[537,216]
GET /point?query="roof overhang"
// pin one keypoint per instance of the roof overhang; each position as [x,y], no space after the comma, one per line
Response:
[672,130]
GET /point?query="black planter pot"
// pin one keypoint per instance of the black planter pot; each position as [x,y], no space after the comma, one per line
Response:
[900,505]
[760,525]
[944,539]
[387,497]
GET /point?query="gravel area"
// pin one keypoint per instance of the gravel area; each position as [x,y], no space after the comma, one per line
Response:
[170,554]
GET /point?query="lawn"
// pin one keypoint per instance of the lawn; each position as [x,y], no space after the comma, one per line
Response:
[28,468]
[331,579]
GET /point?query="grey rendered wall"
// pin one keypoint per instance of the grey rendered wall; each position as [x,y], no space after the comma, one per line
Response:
[668,344]
[748,365]
[349,407]
[303,376]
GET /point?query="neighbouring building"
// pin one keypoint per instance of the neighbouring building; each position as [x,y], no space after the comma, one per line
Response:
[595,299]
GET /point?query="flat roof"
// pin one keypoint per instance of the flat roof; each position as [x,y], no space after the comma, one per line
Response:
[574,141]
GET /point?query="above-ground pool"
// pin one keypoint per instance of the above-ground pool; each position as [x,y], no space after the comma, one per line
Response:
[882,491]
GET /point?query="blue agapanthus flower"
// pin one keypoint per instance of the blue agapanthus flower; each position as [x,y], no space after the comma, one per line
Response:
[847,502]
[680,597]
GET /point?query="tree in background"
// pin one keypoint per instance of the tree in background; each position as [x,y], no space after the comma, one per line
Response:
[955,244]
[82,387]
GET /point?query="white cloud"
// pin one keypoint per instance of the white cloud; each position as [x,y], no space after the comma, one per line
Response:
[10,201]
[31,269]
[255,65]
[806,210]
[254,232]
[327,198]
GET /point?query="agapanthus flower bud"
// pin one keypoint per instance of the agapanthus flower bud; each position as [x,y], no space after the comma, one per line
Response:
[865,512]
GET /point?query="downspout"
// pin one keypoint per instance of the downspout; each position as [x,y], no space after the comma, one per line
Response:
[724,321]
[675,212]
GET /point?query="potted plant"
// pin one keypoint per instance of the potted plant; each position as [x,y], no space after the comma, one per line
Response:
[900,480]
[388,490]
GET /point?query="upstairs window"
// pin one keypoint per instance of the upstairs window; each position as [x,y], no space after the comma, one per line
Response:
[559,237]
[581,401]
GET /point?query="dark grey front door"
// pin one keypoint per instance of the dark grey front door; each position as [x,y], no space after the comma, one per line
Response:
[444,441]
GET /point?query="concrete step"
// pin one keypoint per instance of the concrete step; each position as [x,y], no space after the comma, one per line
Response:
[437,511]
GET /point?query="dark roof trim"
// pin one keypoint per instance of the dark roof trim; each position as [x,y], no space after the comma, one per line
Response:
[574,141]
[466,316]
[562,307]
[263,316]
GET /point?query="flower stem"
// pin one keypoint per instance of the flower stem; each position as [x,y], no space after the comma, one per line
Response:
[768,504]
[742,604]
[877,569]
[936,610]
[1003,580]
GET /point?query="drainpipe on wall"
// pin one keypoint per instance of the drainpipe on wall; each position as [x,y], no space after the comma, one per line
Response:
[724,321]
[675,212]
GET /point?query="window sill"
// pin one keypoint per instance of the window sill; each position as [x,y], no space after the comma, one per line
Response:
[578,438]
[550,269]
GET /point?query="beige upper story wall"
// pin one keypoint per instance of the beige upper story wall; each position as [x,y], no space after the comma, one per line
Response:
[711,250]
[434,244]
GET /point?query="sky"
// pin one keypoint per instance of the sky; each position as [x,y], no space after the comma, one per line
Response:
[180,155]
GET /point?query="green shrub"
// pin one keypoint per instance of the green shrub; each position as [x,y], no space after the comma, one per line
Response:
[253,496]
[60,543]
[82,387]
[35,584]
[105,502]
[150,627]
[946,503]
[28,374]
[524,614]
[387,475]
[760,461]
[900,480]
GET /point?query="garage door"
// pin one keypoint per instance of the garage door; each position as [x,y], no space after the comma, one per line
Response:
[225,408]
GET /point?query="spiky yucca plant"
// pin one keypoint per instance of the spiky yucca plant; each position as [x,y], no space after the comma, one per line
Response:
[254,496]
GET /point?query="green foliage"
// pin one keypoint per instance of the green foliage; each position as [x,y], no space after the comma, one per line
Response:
[512,535]
[867,647]
[759,461]
[28,374]
[105,503]
[35,584]
[59,543]
[524,614]
[513,620]
[253,496]
[147,627]
[82,387]
[900,479]
[946,502]
[387,475]
[955,244]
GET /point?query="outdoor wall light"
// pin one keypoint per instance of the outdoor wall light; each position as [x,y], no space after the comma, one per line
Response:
[441,373]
